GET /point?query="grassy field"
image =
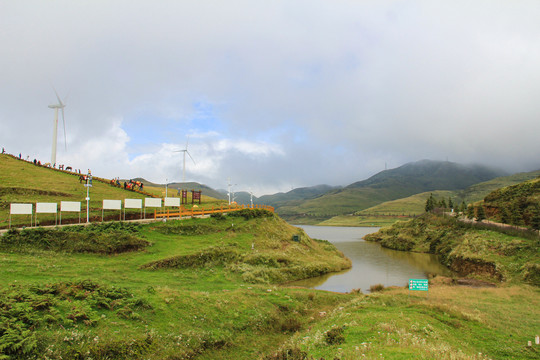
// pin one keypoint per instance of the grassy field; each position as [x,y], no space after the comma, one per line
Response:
[23,182]
[451,322]
[208,289]
[204,287]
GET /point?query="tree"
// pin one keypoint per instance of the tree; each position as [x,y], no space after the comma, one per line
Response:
[505,216]
[450,203]
[430,203]
[470,212]
[443,204]
[463,207]
[480,213]
[535,221]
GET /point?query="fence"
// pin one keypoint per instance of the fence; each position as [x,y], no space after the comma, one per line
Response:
[182,212]
[75,206]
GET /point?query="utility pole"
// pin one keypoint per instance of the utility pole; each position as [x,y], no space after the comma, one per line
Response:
[88,185]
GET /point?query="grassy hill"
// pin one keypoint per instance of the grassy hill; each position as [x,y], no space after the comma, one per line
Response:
[24,182]
[468,248]
[516,205]
[198,288]
[173,188]
[407,180]
[390,211]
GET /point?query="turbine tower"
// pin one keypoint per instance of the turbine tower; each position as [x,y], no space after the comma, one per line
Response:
[185,151]
[60,105]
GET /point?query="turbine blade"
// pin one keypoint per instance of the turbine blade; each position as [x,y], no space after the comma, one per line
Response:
[58,97]
[187,152]
[187,142]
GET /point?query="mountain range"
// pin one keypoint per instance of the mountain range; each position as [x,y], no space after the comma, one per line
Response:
[321,202]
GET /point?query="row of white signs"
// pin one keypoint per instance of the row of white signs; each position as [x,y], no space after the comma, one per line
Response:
[75,206]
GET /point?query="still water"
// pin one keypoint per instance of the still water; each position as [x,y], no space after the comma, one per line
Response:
[371,263]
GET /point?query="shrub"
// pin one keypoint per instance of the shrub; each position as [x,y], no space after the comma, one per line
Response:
[293,353]
[376,287]
[335,336]
[102,241]
[251,213]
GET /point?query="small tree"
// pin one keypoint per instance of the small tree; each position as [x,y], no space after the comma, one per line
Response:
[430,203]
[463,207]
[480,213]
[470,212]
[505,216]
[443,204]
[535,221]
[450,203]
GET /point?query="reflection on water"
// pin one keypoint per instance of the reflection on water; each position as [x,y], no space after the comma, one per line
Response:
[371,263]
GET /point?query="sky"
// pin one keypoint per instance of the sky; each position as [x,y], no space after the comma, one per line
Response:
[272,95]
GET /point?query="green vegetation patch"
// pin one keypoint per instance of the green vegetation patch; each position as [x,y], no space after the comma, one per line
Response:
[468,249]
[29,314]
[453,323]
[213,256]
[101,239]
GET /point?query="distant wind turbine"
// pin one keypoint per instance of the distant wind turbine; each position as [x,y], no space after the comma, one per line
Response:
[185,151]
[60,105]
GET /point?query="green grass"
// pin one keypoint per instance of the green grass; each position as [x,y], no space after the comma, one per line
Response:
[213,307]
[23,182]
[451,322]
[493,254]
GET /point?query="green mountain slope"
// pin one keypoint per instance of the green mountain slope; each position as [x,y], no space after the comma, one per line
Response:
[517,204]
[295,196]
[407,180]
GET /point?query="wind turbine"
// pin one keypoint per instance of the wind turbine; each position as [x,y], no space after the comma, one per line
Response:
[60,105]
[185,151]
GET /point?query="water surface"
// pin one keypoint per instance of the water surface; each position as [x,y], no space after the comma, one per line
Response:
[371,263]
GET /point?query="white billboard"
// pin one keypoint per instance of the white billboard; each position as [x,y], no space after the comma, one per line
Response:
[172,201]
[70,206]
[152,202]
[133,204]
[112,204]
[21,209]
[46,208]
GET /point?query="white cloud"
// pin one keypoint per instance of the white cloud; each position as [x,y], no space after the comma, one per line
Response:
[273,92]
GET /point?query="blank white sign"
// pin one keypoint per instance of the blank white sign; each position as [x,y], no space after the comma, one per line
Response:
[46,208]
[112,204]
[133,203]
[152,202]
[73,206]
[21,209]
[172,201]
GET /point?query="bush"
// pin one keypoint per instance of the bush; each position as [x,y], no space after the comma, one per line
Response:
[293,353]
[251,213]
[102,241]
[376,288]
[335,336]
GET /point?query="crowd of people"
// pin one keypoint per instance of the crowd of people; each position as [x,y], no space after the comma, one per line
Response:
[131,185]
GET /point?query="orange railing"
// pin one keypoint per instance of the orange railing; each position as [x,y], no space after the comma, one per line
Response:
[182,212]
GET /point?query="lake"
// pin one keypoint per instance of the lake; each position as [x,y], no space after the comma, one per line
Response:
[371,263]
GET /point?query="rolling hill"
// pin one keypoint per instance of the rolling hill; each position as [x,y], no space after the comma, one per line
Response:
[173,188]
[393,184]
[24,182]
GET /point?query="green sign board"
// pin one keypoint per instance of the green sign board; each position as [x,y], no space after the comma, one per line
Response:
[418,284]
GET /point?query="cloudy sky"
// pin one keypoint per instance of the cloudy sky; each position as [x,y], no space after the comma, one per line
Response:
[273,94]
